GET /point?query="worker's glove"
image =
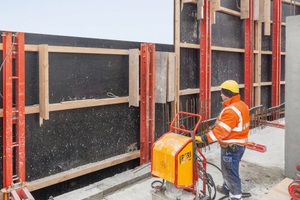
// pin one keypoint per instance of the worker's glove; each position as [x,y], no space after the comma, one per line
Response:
[198,139]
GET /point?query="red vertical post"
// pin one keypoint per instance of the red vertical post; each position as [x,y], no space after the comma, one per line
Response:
[276,53]
[7,110]
[152,98]
[13,110]
[205,61]
[20,106]
[249,57]
[147,104]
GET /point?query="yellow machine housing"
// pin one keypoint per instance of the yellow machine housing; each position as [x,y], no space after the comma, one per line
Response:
[172,159]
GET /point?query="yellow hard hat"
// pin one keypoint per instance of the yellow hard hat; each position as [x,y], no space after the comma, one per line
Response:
[230,85]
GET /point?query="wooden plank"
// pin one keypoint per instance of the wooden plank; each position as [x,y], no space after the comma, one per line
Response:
[258,36]
[82,170]
[291,2]
[266,83]
[161,62]
[229,11]
[32,48]
[196,90]
[83,50]
[67,105]
[171,77]
[200,10]
[267,26]
[43,82]
[134,77]
[216,48]
[256,10]
[189,1]
[175,103]
[189,91]
[266,52]
[216,6]
[190,46]
[280,191]
[270,53]
[244,9]
[262,13]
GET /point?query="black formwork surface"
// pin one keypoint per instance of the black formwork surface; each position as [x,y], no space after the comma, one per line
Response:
[76,137]
[227,32]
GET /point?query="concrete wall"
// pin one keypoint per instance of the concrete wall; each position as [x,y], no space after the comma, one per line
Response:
[292,92]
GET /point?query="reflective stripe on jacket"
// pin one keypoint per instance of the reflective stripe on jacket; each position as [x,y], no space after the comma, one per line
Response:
[232,125]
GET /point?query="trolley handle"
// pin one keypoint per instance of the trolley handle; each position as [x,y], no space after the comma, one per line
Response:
[183,130]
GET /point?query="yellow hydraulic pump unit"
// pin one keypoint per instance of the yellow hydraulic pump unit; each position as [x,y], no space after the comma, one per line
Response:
[174,159]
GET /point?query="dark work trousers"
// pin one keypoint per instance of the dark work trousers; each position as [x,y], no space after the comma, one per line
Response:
[230,162]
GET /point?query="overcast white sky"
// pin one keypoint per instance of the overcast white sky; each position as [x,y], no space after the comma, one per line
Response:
[128,20]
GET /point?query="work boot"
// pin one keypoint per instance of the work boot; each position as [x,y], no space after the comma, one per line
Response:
[221,190]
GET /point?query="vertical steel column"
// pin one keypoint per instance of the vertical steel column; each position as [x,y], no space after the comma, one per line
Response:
[249,57]
[7,110]
[20,106]
[276,53]
[13,113]
[147,105]
[205,61]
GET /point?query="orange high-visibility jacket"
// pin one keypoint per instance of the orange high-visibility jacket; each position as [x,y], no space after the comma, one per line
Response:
[232,125]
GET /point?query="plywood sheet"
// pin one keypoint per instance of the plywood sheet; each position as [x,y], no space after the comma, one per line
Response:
[280,191]
[171,77]
[161,77]
[134,77]
[43,82]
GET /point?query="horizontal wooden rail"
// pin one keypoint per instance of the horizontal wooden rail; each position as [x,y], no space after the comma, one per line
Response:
[82,50]
[67,105]
[291,2]
[228,49]
[216,88]
[214,48]
[82,170]
[229,11]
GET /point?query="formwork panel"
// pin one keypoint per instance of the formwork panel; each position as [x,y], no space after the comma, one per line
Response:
[228,31]
[226,65]
[189,68]
[266,68]
[189,25]
[265,97]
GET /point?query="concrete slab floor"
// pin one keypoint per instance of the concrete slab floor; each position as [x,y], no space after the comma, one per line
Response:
[259,171]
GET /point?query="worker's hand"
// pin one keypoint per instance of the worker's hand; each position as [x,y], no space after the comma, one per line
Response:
[198,139]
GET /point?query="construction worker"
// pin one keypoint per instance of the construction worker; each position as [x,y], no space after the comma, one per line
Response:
[231,132]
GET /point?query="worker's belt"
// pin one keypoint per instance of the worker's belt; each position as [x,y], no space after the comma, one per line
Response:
[230,147]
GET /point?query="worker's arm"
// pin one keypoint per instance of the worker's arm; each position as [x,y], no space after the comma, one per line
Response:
[223,127]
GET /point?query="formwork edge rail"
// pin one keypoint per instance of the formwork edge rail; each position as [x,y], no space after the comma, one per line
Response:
[82,170]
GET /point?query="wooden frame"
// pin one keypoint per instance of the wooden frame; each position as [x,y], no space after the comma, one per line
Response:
[134,77]
[43,82]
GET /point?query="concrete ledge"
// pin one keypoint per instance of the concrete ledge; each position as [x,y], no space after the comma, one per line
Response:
[106,186]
